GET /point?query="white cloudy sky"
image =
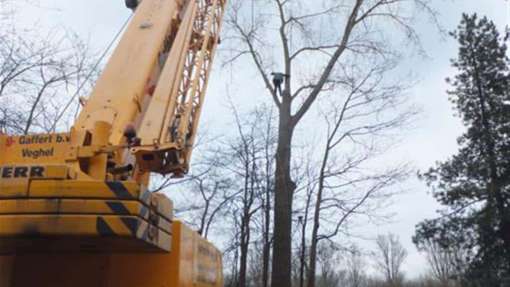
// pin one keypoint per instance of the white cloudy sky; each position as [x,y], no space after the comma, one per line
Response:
[433,138]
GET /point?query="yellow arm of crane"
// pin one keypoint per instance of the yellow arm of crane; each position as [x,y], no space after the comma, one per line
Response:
[154,83]
[169,127]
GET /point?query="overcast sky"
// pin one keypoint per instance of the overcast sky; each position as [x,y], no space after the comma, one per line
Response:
[433,138]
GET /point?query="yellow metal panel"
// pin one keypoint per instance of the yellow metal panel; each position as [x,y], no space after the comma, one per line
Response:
[81,226]
[88,189]
[100,190]
[207,264]
[173,269]
[55,172]
[13,188]
[163,205]
[85,207]
[34,149]
[66,206]
[53,225]
[58,270]
[62,189]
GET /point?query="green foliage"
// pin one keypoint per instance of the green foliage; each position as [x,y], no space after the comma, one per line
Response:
[474,185]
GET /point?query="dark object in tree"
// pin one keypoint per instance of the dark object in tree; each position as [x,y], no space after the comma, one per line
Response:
[278,79]
[474,185]
[132,4]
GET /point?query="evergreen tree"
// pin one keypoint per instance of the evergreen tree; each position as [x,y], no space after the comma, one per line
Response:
[474,185]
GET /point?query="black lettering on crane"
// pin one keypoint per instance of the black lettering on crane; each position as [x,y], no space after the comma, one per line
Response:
[37,171]
[21,172]
[7,172]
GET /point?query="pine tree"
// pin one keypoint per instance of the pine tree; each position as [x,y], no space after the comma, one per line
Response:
[474,185]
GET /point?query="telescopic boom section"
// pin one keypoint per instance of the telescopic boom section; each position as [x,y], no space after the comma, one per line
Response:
[152,90]
[169,127]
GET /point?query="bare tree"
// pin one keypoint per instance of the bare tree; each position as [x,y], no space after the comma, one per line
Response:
[310,187]
[445,263]
[214,194]
[249,156]
[266,184]
[356,275]
[235,186]
[356,125]
[210,189]
[42,71]
[329,260]
[246,152]
[390,256]
[310,56]
[39,74]
[6,9]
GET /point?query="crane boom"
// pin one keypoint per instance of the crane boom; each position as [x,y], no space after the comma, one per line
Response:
[75,209]
[168,131]
[162,98]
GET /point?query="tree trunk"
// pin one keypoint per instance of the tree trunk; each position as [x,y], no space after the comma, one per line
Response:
[245,220]
[266,249]
[284,189]
[302,267]
[245,241]
[302,257]
[316,220]
[312,268]
[267,242]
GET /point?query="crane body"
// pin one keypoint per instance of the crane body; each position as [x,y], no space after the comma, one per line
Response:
[75,208]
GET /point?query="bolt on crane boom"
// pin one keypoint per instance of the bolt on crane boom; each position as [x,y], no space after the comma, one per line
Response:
[75,209]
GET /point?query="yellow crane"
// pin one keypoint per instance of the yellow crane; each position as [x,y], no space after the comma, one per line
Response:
[75,209]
